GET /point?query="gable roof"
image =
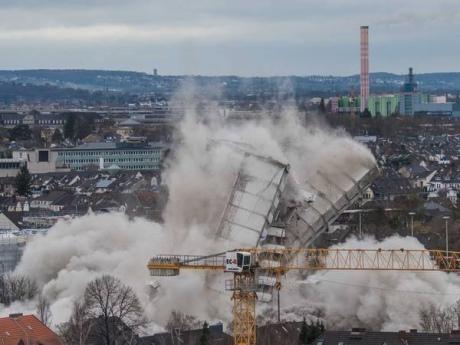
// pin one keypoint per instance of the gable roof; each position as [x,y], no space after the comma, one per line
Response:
[363,337]
[10,220]
[216,337]
[27,328]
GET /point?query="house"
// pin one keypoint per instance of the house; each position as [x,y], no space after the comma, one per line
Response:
[119,331]
[423,179]
[52,201]
[360,336]
[191,337]
[391,185]
[286,333]
[26,329]
[10,221]
[7,186]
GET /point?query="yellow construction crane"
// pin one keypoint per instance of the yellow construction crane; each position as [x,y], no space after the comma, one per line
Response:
[247,264]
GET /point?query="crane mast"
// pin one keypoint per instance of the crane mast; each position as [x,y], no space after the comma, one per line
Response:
[245,264]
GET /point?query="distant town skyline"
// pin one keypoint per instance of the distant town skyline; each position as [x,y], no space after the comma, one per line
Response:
[255,38]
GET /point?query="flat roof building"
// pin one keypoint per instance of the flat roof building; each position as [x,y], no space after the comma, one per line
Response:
[137,155]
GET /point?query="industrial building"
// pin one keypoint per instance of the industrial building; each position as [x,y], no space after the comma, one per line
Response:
[131,154]
[413,102]
[9,167]
[267,208]
[409,102]
[383,105]
[128,155]
[409,97]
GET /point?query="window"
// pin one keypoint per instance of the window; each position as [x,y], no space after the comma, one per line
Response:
[43,156]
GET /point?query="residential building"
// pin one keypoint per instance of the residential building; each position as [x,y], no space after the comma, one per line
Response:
[49,120]
[53,201]
[390,185]
[19,329]
[360,336]
[7,223]
[10,119]
[13,119]
[216,337]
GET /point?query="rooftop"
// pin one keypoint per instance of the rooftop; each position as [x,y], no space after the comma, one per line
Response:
[27,328]
[112,146]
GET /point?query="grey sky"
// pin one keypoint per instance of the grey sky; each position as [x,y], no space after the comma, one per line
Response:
[242,37]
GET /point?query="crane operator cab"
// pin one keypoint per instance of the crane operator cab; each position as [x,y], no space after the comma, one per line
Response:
[237,262]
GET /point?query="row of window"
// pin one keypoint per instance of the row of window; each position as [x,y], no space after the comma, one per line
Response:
[50,122]
[126,167]
[108,153]
[40,122]
[112,160]
[10,165]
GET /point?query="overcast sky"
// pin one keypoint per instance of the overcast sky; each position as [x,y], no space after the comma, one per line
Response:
[241,37]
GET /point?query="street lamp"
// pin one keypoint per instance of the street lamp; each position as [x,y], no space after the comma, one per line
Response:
[360,225]
[446,218]
[412,214]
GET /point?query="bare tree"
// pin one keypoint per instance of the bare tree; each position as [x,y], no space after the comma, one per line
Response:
[115,308]
[182,322]
[43,310]
[76,331]
[14,287]
[439,320]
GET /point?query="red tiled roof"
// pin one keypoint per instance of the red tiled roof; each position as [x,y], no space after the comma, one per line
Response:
[27,328]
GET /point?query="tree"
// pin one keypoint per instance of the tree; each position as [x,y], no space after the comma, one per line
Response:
[43,310]
[23,181]
[84,126]
[440,320]
[366,114]
[322,106]
[204,338]
[20,132]
[76,331]
[311,331]
[14,287]
[37,137]
[69,126]
[57,136]
[180,321]
[305,333]
[78,126]
[112,304]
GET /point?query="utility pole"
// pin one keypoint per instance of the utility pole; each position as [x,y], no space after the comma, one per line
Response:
[279,312]
[412,214]
[446,218]
[278,288]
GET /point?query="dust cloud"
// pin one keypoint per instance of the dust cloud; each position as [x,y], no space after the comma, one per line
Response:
[199,176]
[385,300]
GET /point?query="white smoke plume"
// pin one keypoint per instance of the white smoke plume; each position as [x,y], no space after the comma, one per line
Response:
[199,178]
[384,300]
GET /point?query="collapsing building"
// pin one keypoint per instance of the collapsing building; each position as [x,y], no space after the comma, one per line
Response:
[267,208]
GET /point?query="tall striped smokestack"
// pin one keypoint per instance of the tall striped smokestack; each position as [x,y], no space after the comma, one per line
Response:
[364,77]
